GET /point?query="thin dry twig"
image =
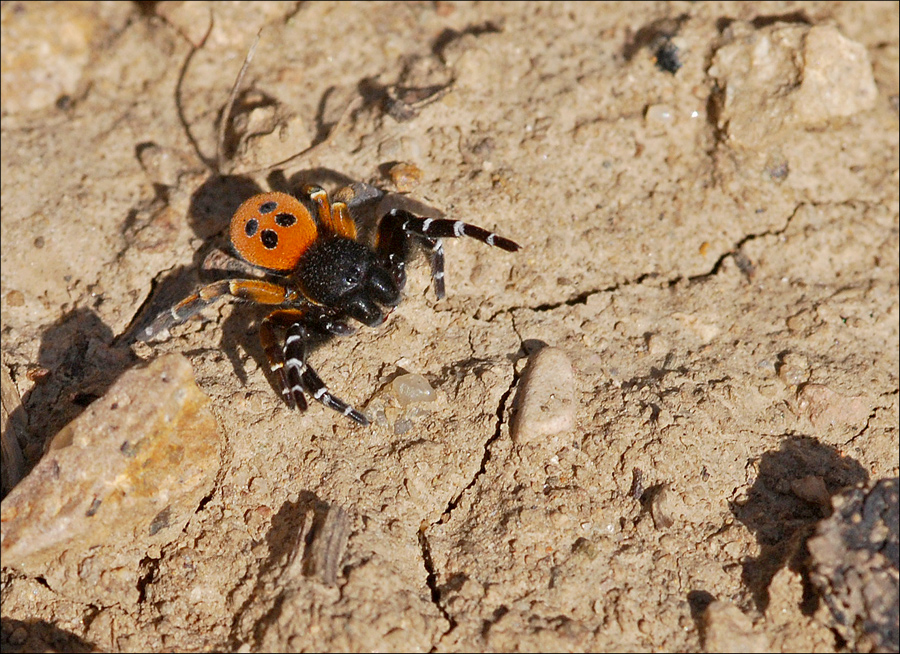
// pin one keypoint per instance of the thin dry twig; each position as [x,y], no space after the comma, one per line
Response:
[229,107]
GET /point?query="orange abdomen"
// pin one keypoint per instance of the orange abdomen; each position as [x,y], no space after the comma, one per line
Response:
[272,230]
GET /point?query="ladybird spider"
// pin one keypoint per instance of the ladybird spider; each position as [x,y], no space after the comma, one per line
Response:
[326,276]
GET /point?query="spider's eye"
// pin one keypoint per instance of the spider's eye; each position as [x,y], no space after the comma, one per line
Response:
[353,275]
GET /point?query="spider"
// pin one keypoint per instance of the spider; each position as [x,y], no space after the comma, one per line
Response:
[320,276]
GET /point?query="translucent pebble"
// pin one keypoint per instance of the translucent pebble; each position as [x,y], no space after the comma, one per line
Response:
[411,388]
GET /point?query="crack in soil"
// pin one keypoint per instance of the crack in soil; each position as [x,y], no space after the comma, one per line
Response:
[742,261]
[431,578]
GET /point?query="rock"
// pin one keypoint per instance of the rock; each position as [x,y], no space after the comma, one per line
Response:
[856,565]
[788,76]
[837,78]
[411,389]
[50,48]
[812,488]
[545,402]
[13,422]
[659,508]
[118,482]
[405,176]
[832,414]
[399,403]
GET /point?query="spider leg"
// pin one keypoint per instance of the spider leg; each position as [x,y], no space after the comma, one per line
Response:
[392,245]
[334,217]
[252,290]
[392,242]
[289,362]
[437,266]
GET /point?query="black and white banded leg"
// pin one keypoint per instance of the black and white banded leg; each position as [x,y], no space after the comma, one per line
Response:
[289,362]
[437,266]
[398,224]
[302,378]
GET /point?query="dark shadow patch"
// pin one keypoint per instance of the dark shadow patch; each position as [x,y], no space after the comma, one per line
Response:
[215,201]
[77,362]
[291,543]
[653,36]
[448,36]
[782,520]
[40,636]
[797,17]
[699,601]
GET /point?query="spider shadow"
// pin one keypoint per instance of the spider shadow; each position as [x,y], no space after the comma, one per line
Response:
[211,208]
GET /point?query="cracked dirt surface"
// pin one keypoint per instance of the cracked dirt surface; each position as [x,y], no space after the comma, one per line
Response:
[640,415]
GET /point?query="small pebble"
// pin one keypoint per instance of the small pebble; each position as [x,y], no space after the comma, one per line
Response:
[659,508]
[812,489]
[405,176]
[412,388]
[545,402]
[793,369]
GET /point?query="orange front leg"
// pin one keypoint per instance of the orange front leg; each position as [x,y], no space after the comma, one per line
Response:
[252,290]
[334,218]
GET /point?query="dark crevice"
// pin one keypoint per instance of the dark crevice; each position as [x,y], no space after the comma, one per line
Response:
[581,298]
[205,500]
[431,580]
[151,566]
[737,252]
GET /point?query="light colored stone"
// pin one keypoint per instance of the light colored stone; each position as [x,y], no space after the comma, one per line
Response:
[122,478]
[545,403]
[788,76]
